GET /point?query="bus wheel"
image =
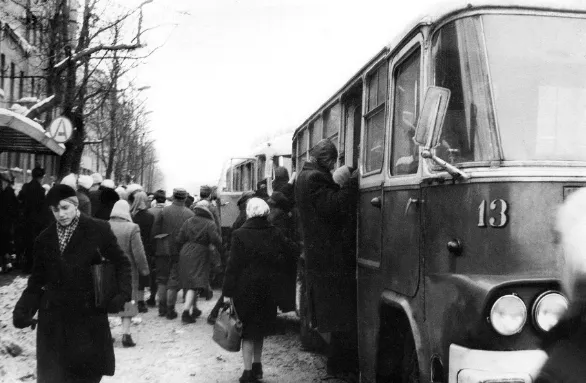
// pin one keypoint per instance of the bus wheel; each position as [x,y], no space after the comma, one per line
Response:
[410,370]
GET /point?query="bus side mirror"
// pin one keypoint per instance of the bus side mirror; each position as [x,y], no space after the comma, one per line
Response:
[431,119]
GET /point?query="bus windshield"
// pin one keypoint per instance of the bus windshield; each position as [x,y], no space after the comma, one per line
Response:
[537,65]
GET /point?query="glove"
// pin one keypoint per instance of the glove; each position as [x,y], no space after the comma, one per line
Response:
[22,319]
[116,304]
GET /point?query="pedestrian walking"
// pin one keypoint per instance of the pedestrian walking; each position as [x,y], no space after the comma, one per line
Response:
[145,220]
[84,183]
[238,222]
[108,197]
[159,199]
[257,253]
[74,343]
[36,215]
[128,236]
[196,258]
[325,211]
[8,220]
[166,227]
[95,191]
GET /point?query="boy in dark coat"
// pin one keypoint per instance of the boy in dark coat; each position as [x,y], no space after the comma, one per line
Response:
[330,260]
[74,342]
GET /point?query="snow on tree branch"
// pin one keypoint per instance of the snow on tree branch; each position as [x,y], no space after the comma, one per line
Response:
[89,51]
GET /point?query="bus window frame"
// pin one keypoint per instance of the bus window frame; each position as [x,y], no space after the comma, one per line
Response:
[365,113]
[416,41]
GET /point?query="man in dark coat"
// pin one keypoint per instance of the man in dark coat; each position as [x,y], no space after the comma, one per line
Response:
[95,191]
[36,216]
[74,343]
[330,263]
[165,230]
[8,218]
[160,197]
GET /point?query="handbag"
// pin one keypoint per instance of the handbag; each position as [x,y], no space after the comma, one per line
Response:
[105,282]
[228,329]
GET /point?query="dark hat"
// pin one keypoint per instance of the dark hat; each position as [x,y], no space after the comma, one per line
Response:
[245,197]
[60,192]
[160,196]
[205,191]
[38,172]
[179,193]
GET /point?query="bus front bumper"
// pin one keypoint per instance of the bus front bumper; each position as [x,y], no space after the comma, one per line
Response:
[481,366]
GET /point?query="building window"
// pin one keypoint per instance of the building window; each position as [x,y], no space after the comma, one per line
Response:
[377,88]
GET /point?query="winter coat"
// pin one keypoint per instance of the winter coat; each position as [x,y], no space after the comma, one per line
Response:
[128,237]
[195,258]
[73,336]
[145,220]
[36,212]
[85,205]
[169,222]
[108,198]
[257,254]
[8,219]
[95,201]
[325,210]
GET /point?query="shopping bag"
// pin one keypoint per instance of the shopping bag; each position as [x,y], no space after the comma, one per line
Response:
[105,283]
[228,329]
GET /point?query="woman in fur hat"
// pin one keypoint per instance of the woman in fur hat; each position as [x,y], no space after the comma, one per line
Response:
[74,343]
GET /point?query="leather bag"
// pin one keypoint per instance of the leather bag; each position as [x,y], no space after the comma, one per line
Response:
[105,281]
[228,329]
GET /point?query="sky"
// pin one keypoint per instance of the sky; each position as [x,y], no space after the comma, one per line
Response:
[231,72]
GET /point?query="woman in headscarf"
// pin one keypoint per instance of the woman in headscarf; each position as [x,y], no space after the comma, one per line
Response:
[128,236]
[74,343]
[257,254]
[144,219]
[195,257]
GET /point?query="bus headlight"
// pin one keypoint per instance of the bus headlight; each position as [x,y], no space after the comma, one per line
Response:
[549,307]
[508,315]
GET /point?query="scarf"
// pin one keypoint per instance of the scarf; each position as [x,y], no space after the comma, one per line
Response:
[64,233]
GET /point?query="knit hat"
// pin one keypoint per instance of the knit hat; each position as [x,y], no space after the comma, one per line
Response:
[179,193]
[97,178]
[107,183]
[61,192]
[70,181]
[256,207]
[342,175]
[205,191]
[85,181]
[133,188]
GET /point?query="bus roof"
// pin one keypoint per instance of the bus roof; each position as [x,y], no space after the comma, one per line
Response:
[278,146]
[440,11]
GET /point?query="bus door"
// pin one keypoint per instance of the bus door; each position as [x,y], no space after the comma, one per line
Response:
[402,194]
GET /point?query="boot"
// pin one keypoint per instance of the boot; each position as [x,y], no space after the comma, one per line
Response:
[196,312]
[247,377]
[127,341]
[142,307]
[257,370]
[187,318]
[151,301]
[171,313]
[162,310]
[212,319]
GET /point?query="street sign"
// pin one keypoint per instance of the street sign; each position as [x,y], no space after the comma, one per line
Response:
[61,129]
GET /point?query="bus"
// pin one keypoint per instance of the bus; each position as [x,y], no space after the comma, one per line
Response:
[242,174]
[468,131]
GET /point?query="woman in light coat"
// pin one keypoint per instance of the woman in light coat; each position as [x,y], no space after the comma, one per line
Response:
[196,257]
[128,236]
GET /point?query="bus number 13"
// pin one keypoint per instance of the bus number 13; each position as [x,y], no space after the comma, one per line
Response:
[497,211]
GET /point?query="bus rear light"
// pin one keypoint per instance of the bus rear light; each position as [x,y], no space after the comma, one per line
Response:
[508,315]
[549,307]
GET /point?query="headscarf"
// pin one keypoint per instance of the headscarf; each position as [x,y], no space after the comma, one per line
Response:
[324,153]
[140,202]
[107,183]
[70,181]
[201,209]
[121,210]
[256,207]
[121,192]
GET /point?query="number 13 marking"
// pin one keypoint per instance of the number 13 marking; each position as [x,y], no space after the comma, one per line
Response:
[501,213]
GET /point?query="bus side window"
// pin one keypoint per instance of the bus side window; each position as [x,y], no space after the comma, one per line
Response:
[375,120]
[405,156]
